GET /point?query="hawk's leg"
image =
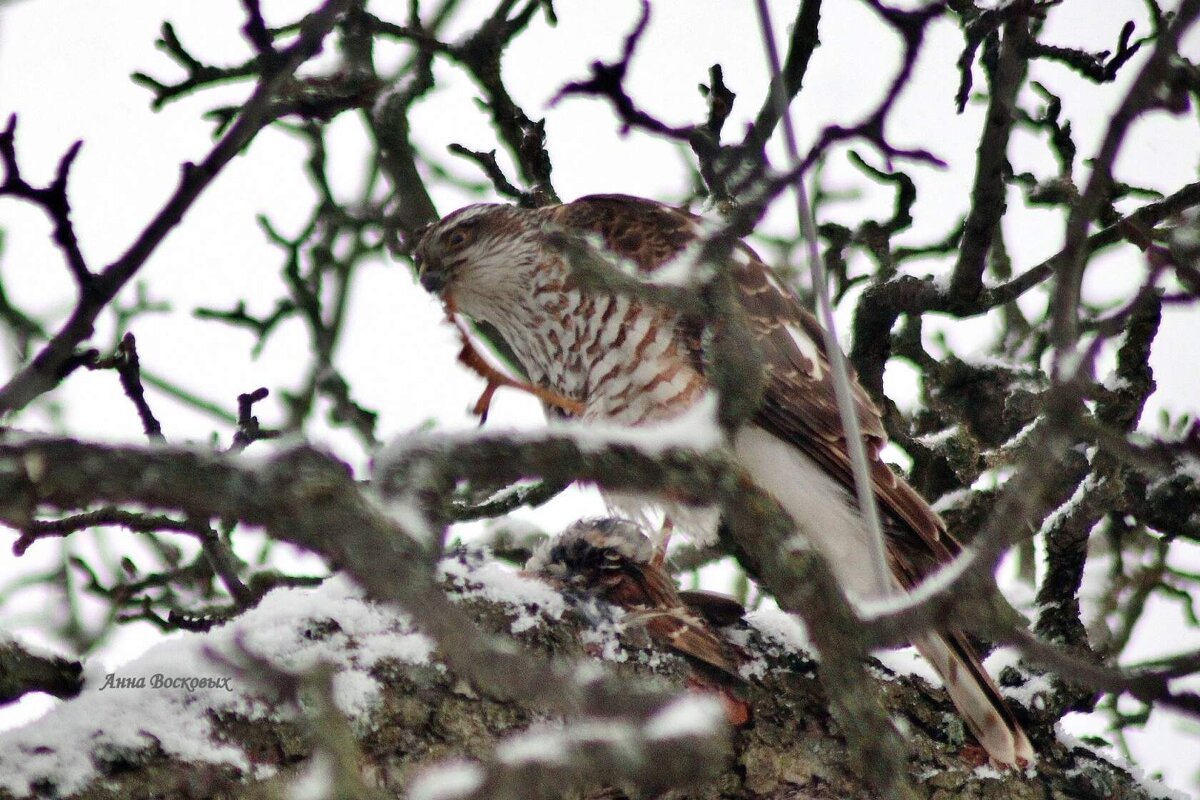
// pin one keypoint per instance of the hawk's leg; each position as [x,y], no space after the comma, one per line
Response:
[474,360]
[484,403]
[664,538]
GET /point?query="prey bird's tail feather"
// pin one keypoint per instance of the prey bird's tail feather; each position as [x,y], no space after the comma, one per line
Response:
[977,698]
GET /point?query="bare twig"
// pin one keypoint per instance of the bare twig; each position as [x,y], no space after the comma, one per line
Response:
[1064,328]
[987,194]
[46,369]
[137,522]
[52,199]
[487,162]
[249,430]
[129,369]
[199,75]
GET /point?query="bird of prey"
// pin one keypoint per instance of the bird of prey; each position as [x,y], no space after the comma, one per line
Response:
[614,560]
[612,356]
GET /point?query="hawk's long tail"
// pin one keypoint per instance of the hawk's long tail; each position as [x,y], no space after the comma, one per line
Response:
[977,698]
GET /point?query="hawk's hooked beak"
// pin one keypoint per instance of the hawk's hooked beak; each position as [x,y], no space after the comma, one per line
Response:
[430,273]
[434,280]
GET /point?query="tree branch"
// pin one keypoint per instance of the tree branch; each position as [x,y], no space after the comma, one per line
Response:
[46,369]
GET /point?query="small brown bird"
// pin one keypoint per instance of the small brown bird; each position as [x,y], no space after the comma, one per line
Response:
[607,356]
[614,560]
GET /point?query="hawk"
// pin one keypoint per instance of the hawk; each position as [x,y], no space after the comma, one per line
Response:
[609,356]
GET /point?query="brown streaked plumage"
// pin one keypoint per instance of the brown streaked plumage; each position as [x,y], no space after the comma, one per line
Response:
[614,560]
[629,361]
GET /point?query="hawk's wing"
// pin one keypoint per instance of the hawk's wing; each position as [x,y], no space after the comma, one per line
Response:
[799,405]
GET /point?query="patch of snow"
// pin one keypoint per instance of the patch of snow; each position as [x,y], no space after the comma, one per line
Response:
[1154,788]
[952,500]
[355,693]
[1114,382]
[128,715]
[1032,693]
[752,669]
[786,630]
[934,440]
[316,782]
[546,746]
[447,781]
[689,715]
[1088,484]
[1020,436]
[604,642]
[533,600]
[988,772]
[907,661]
[695,429]
[344,629]
[553,743]
[166,698]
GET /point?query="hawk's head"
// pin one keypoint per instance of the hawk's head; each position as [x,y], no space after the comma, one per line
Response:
[475,252]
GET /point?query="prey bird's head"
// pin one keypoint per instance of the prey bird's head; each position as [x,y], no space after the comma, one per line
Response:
[592,545]
[476,254]
[593,554]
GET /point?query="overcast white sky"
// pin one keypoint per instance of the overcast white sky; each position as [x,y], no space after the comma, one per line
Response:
[64,68]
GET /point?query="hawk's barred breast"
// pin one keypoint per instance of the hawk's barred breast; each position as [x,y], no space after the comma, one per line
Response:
[623,359]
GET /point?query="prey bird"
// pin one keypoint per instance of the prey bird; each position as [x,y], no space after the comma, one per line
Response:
[612,559]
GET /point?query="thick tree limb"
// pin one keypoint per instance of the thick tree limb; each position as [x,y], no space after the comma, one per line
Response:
[427,732]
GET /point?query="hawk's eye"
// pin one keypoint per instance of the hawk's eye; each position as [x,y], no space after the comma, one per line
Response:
[460,237]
